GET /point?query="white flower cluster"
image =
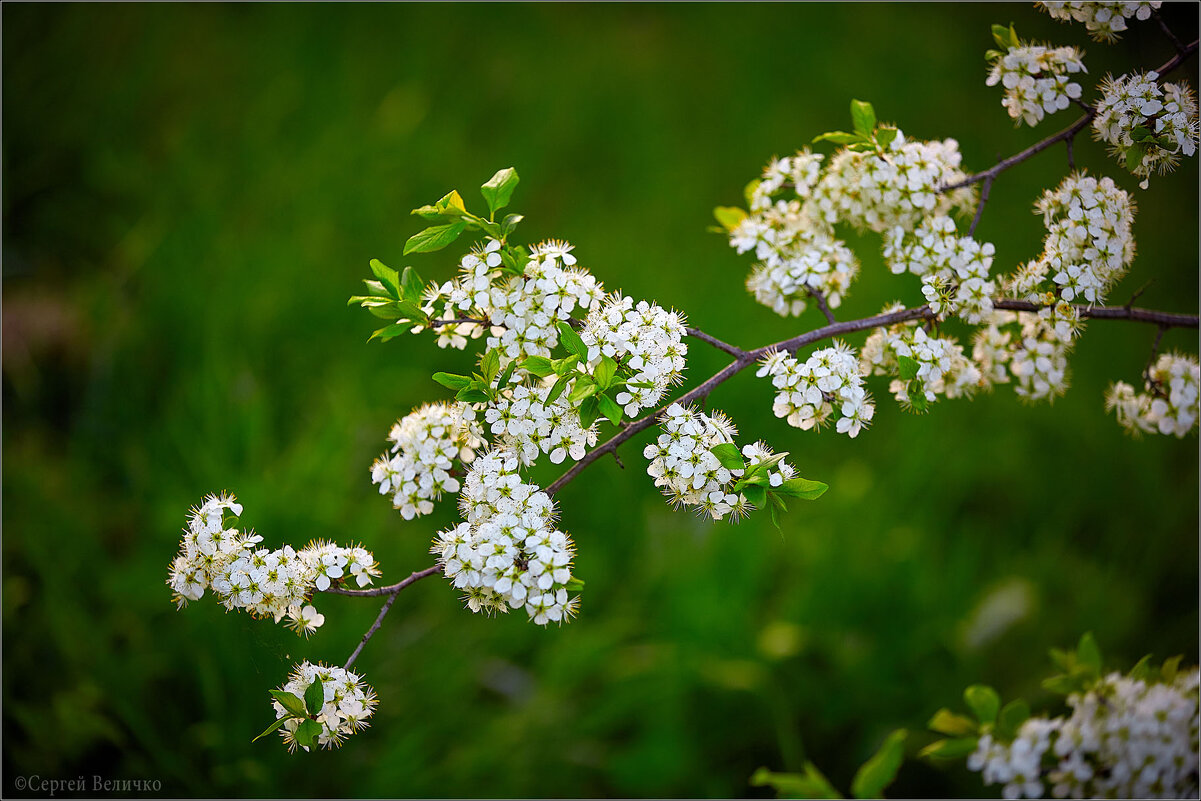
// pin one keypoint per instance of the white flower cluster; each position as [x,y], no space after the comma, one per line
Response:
[1170,404]
[263,582]
[425,444]
[1104,20]
[941,368]
[1125,738]
[954,269]
[827,384]
[1036,80]
[1135,107]
[646,339]
[349,702]
[522,421]
[684,467]
[508,553]
[524,309]
[797,254]
[901,187]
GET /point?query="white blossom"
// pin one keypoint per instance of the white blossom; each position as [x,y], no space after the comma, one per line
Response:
[349,703]
[1037,80]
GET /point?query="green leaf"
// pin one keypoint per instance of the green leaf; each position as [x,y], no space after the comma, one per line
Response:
[947,722]
[956,748]
[749,190]
[575,584]
[307,733]
[1088,654]
[810,784]
[908,367]
[470,395]
[314,697]
[728,454]
[838,138]
[291,703]
[983,701]
[1143,671]
[388,277]
[452,381]
[510,222]
[879,771]
[490,365]
[273,727]
[884,136]
[434,238]
[1064,660]
[538,365]
[589,411]
[499,189]
[1062,685]
[756,495]
[802,488]
[1171,666]
[864,117]
[390,331]
[729,216]
[609,408]
[584,387]
[564,366]
[571,340]
[604,372]
[507,374]
[557,389]
[411,285]
[451,203]
[1004,37]
[1012,716]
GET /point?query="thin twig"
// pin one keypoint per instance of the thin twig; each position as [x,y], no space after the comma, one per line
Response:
[1163,26]
[696,333]
[820,299]
[984,190]
[458,321]
[1165,319]
[1154,353]
[397,587]
[358,649]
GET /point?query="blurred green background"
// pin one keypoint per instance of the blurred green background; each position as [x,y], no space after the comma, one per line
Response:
[192,192]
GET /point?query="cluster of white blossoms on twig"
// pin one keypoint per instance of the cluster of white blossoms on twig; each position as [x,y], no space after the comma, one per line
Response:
[1104,20]
[425,444]
[215,554]
[1169,404]
[925,366]
[647,339]
[508,553]
[828,385]
[1125,738]
[346,703]
[954,269]
[1037,80]
[525,421]
[1148,126]
[684,466]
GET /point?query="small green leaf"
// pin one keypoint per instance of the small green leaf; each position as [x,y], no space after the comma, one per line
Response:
[451,203]
[1171,666]
[728,454]
[1012,716]
[884,136]
[880,771]
[983,701]
[908,367]
[507,374]
[434,238]
[565,365]
[584,387]
[1088,654]
[604,372]
[390,332]
[388,277]
[314,697]
[575,584]
[499,189]
[947,722]
[956,748]
[730,217]
[510,222]
[838,138]
[589,410]
[1000,35]
[411,285]
[571,340]
[469,395]
[756,495]
[749,190]
[811,784]
[1143,671]
[1062,685]
[452,381]
[609,408]
[802,488]
[538,365]
[290,702]
[490,365]
[864,117]
[1064,660]
[273,727]
[557,389]
[307,733]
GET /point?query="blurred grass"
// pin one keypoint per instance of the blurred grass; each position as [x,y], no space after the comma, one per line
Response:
[190,194]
